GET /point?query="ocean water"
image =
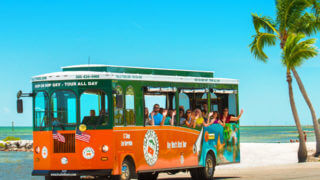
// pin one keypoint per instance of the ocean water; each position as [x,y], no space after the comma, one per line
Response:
[22,132]
[19,165]
[273,134]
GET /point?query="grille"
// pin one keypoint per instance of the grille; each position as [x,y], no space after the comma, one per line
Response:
[67,147]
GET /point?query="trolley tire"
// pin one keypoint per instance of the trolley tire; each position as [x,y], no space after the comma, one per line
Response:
[207,172]
[130,171]
[195,173]
[148,176]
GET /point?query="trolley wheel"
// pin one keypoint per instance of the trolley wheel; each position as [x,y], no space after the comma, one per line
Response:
[127,170]
[206,172]
[148,176]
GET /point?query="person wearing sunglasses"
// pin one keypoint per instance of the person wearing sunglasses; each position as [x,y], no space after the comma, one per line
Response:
[188,118]
[213,118]
[182,116]
[155,116]
[226,118]
[198,118]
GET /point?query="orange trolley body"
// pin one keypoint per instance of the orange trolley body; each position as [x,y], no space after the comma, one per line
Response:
[122,142]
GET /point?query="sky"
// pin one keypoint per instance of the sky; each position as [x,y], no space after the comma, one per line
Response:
[38,37]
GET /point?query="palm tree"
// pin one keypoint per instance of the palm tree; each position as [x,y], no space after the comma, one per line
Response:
[312,111]
[294,53]
[292,18]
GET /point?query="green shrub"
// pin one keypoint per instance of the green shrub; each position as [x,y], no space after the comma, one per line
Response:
[11,138]
[2,145]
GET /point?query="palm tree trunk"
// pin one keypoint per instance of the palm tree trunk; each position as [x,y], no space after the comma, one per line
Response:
[302,151]
[313,113]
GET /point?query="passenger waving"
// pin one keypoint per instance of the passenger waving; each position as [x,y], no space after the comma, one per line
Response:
[226,118]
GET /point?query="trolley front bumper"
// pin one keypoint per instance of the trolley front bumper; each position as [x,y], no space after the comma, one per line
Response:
[100,172]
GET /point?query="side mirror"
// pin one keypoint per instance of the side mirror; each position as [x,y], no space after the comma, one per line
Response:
[19,106]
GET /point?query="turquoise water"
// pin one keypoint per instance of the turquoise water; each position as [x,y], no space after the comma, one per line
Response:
[263,134]
[16,165]
[272,134]
[22,132]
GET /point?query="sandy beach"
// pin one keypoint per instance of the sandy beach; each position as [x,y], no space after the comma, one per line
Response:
[265,161]
[268,154]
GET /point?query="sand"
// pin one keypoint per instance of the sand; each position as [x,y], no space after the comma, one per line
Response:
[265,161]
[268,154]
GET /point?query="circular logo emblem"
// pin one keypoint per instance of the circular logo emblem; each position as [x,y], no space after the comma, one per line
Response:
[64,160]
[151,147]
[88,153]
[44,152]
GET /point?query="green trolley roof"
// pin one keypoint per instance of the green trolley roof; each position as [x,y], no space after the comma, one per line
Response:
[138,70]
[87,72]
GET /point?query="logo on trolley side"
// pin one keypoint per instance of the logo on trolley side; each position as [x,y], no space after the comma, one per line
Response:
[151,147]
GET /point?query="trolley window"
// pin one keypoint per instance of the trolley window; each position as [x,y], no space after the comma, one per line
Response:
[63,108]
[94,108]
[130,113]
[41,110]
[118,106]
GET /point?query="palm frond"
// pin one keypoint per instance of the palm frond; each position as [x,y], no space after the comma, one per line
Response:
[296,51]
[264,23]
[259,42]
[288,11]
[315,7]
[307,24]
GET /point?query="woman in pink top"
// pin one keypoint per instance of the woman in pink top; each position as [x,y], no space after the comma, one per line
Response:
[226,118]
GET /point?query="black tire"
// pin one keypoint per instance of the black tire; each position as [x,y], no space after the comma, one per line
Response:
[207,172]
[194,173]
[148,176]
[127,170]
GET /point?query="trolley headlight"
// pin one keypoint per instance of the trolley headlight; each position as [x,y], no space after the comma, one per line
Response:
[37,149]
[64,160]
[105,148]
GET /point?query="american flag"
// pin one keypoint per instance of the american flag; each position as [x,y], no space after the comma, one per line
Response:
[82,136]
[58,136]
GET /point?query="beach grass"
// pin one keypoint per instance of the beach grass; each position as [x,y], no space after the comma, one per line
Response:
[11,138]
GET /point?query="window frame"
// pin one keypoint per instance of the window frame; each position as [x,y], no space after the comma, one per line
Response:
[163,90]
[114,106]
[108,112]
[125,106]
[193,100]
[47,113]
[68,125]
